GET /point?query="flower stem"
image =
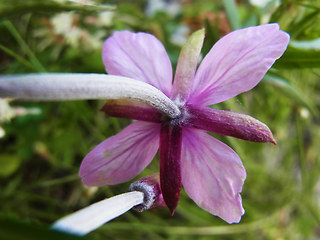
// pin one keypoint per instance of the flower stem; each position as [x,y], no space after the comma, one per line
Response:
[92,217]
[77,86]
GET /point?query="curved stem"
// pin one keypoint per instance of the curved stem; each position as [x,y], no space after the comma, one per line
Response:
[92,217]
[67,86]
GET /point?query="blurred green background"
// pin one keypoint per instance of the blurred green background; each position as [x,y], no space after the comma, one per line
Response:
[42,144]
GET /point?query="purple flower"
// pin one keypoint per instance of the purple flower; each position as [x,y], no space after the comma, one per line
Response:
[211,172]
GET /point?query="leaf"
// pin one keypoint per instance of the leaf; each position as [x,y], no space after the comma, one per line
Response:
[279,12]
[290,91]
[232,13]
[307,45]
[15,8]
[296,28]
[299,58]
[9,164]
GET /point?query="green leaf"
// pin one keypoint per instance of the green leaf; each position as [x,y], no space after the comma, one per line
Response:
[296,28]
[15,8]
[279,12]
[17,57]
[290,91]
[299,58]
[9,164]
[307,45]
[11,229]
[232,13]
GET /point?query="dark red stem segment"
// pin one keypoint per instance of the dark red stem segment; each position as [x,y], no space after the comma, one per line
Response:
[170,171]
[228,123]
[132,109]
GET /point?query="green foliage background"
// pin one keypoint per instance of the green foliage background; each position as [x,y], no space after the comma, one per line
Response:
[40,154]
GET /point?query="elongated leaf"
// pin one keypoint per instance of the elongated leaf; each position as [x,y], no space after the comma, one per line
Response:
[279,12]
[299,58]
[307,45]
[16,230]
[7,10]
[9,164]
[299,27]
[232,13]
[285,86]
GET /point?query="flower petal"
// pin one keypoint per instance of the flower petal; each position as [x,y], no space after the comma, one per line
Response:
[140,56]
[170,173]
[237,62]
[212,175]
[228,123]
[186,68]
[122,156]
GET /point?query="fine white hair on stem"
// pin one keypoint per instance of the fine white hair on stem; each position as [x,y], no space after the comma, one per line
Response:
[92,217]
[77,86]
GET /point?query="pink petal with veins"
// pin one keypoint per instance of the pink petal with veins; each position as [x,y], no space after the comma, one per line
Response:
[212,175]
[237,63]
[140,56]
[122,156]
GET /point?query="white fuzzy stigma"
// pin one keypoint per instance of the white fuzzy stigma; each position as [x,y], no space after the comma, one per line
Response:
[92,217]
[76,86]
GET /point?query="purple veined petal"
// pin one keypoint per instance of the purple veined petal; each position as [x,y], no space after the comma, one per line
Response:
[132,109]
[140,56]
[122,156]
[237,62]
[212,175]
[186,68]
[228,123]
[170,173]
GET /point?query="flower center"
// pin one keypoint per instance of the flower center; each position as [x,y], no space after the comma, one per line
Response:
[177,121]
